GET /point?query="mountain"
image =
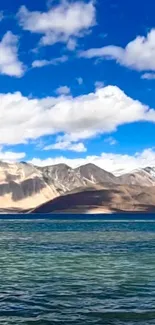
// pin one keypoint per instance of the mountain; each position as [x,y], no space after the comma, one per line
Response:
[107,193]
[62,177]
[94,174]
[24,186]
[66,179]
[142,177]
[121,198]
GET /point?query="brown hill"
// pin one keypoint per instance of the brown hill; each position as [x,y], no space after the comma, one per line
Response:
[121,198]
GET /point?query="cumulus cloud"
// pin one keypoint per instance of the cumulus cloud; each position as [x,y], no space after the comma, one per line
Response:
[139,54]
[67,145]
[149,76]
[55,61]
[9,61]
[63,90]
[10,156]
[116,163]
[63,22]
[82,117]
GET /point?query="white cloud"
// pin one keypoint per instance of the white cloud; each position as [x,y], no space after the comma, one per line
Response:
[61,22]
[139,54]
[63,90]
[99,84]
[55,61]
[67,145]
[10,156]
[76,136]
[148,75]
[9,62]
[82,117]
[79,80]
[71,45]
[108,161]
[111,141]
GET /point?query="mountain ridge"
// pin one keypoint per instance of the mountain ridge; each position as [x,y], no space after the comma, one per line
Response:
[26,186]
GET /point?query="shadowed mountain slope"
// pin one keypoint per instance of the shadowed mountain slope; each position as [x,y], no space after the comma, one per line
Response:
[120,198]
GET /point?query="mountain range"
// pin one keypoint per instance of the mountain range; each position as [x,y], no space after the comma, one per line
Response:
[88,188]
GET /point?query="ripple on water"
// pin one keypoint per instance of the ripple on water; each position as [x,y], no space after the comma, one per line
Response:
[59,273]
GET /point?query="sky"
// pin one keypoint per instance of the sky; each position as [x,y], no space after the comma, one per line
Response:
[77,82]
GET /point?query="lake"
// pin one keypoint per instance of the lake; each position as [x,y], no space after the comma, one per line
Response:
[77,271]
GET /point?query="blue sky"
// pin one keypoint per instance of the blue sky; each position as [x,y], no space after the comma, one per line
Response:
[77,81]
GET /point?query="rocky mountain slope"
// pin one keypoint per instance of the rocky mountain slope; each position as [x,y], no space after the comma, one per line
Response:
[142,177]
[62,177]
[95,175]
[24,186]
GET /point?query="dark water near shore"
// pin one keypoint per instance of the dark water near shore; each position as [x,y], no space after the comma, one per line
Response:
[77,272]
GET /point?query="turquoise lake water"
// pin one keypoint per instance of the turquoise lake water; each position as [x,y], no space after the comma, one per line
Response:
[77,272]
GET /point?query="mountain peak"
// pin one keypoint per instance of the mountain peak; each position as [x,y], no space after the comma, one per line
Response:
[91,166]
[60,166]
[95,174]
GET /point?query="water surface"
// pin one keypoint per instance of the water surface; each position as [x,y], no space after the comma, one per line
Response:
[77,272]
